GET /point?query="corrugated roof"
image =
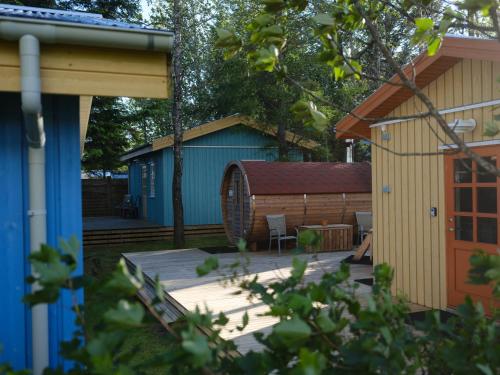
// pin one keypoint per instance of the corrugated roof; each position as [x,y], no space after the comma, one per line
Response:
[272,178]
[427,69]
[64,16]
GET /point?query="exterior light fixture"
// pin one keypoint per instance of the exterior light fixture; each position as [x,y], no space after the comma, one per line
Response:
[462,126]
[386,136]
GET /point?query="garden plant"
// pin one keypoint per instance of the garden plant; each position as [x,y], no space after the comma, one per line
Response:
[323,327]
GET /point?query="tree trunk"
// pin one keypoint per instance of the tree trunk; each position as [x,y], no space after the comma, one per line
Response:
[177,123]
[283,146]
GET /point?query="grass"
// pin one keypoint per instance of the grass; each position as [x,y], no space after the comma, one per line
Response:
[150,339]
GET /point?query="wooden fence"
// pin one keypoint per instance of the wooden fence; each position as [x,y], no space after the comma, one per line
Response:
[101,196]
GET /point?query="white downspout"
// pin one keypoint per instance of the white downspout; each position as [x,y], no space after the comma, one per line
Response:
[31,99]
[349,150]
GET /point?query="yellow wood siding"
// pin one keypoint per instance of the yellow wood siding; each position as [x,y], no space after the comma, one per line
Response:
[405,234]
[77,70]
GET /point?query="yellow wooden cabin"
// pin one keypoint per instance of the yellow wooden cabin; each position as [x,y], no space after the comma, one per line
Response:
[430,212]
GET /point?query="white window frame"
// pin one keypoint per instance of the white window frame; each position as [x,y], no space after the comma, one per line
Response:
[152,180]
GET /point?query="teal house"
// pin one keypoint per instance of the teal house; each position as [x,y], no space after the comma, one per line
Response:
[52,63]
[206,151]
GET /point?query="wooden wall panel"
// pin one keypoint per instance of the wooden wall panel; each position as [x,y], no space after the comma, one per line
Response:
[405,235]
[318,207]
[78,70]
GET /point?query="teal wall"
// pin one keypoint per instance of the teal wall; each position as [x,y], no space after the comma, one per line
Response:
[204,161]
[154,204]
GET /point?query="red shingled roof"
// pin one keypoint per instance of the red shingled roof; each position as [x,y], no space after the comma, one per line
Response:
[307,178]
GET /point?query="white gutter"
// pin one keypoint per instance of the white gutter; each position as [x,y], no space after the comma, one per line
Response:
[54,32]
[443,112]
[31,99]
[30,33]
[489,142]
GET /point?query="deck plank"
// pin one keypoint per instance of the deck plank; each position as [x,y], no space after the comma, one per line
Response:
[176,270]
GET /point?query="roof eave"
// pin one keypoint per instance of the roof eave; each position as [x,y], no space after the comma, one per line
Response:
[61,32]
[227,122]
[454,49]
[136,152]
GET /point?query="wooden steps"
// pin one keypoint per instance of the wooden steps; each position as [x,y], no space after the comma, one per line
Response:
[146,234]
[169,310]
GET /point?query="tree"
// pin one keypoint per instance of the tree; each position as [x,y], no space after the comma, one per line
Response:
[346,29]
[177,118]
[149,119]
[106,135]
[188,19]
[268,97]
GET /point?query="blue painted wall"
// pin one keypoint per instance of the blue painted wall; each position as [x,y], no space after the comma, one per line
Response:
[154,204]
[204,161]
[64,219]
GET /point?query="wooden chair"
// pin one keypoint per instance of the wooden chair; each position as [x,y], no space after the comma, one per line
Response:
[364,221]
[364,247]
[277,230]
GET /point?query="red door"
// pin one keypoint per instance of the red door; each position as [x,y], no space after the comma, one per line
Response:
[473,221]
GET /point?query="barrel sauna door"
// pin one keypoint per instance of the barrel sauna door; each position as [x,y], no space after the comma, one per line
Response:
[237,205]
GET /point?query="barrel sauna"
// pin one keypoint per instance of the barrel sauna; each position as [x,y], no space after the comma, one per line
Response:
[306,193]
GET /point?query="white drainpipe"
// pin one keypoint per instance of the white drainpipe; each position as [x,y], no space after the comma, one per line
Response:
[31,99]
[349,150]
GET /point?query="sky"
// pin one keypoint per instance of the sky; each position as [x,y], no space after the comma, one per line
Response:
[145,9]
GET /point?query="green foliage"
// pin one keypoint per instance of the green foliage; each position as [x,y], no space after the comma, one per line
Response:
[485,270]
[324,327]
[350,41]
[210,264]
[107,135]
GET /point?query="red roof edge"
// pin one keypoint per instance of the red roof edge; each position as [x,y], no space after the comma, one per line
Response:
[453,50]
[280,178]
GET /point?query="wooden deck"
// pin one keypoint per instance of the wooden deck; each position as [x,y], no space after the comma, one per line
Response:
[109,230]
[184,290]
[114,222]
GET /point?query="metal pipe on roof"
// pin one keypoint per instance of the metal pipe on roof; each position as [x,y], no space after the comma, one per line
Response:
[31,104]
[54,32]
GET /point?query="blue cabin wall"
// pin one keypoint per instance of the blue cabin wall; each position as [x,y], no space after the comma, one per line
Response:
[154,205]
[64,219]
[204,161]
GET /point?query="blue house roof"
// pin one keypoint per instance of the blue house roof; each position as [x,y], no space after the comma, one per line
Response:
[71,17]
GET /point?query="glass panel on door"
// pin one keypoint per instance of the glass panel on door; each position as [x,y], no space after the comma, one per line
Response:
[487,230]
[463,171]
[463,199]
[464,228]
[487,200]
[482,175]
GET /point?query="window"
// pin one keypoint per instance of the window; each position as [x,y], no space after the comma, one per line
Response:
[152,180]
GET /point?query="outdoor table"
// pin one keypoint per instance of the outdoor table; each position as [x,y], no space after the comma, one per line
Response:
[334,237]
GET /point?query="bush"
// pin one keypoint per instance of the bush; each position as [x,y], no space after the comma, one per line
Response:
[323,328]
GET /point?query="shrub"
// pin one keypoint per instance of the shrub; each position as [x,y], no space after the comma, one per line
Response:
[323,327]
